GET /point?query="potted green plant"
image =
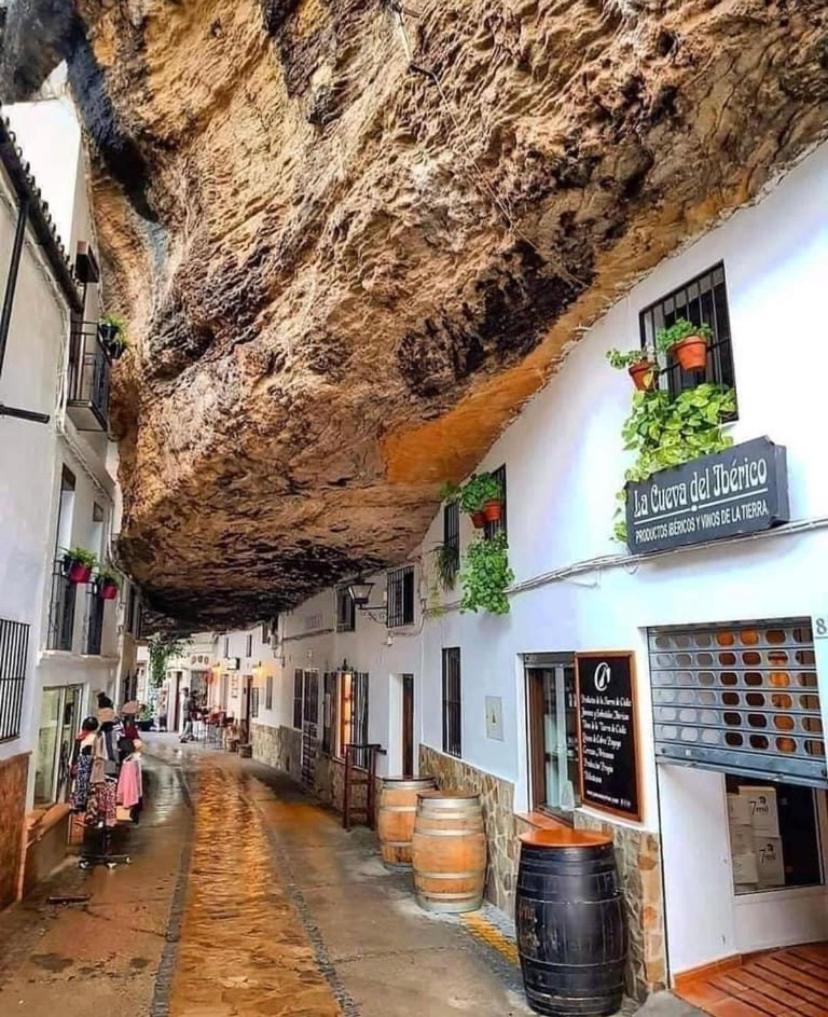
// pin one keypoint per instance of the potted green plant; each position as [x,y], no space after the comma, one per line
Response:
[482,498]
[686,342]
[486,576]
[640,364]
[112,332]
[79,563]
[108,582]
[446,560]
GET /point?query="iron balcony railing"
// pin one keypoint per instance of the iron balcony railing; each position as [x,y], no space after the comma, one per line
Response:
[90,366]
[14,645]
[93,623]
[61,608]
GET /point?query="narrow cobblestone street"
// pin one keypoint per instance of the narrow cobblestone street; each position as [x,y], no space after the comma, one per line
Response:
[245,898]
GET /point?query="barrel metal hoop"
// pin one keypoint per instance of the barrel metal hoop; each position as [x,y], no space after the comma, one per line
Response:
[398,808]
[449,875]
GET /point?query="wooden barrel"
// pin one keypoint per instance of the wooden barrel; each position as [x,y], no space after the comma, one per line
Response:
[449,851]
[395,819]
[570,923]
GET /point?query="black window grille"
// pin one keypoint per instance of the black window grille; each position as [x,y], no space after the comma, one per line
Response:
[452,740]
[254,702]
[345,611]
[701,301]
[14,648]
[400,606]
[451,533]
[129,613]
[61,608]
[248,647]
[269,692]
[358,734]
[226,647]
[499,525]
[311,697]
[328,712]
[297,698]
[93,622]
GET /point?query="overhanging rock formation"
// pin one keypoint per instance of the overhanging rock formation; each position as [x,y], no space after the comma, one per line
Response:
[344,273]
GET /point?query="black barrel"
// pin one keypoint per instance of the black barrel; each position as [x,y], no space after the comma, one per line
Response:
[570,924]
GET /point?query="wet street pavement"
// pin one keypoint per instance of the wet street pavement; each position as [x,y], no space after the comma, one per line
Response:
[245,898]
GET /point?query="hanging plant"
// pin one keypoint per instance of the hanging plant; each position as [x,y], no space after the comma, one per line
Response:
[112,331]
[640,364]
[447,562]
[687,343]
[108,582]
[486,576]
[666,432]
[78,563]
[482,498]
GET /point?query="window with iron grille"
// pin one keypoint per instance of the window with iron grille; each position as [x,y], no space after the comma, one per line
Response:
[353,714]
[269,692]
[701,301]
[14,646]
[248,647]
[451,532]
[226,647]
[93,623]
[297,698]
[265,632]
[400,607]
[499,525]
[345,611]
[328,711]
[129,613]
[452,742]
[61,608]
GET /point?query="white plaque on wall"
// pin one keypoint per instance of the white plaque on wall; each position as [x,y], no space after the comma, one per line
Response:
[494,718]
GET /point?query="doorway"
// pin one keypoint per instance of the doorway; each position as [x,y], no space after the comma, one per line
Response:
[59,721]
[408,725]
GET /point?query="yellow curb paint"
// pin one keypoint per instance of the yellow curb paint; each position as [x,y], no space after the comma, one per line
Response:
[491,936]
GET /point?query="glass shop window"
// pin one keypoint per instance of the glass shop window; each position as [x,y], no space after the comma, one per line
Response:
[553,736]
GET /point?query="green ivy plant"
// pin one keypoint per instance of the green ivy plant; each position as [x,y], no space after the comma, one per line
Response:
[80,556]
[479,489]
[666,432]
[486,576]
[446,561]
[621,360]
[162,647]
[666,338]
[116,322]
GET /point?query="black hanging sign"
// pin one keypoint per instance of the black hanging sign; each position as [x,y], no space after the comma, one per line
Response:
[608,747]
[743,490]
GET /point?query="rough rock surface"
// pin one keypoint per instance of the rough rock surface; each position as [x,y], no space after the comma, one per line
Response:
[347,266]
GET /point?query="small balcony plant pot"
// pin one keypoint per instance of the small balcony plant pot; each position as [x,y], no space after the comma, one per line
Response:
[107,332]
[478,519]
[691,353]
[643,375]
[79,572]
[492,511]
[108,591]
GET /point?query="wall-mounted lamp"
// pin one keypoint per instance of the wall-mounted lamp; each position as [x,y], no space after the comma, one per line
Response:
[360,593]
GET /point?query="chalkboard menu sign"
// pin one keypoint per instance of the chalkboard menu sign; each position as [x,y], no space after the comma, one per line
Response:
[608,750]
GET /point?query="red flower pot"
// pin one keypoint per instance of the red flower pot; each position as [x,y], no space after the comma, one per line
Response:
[643,375]
[478,519]
[108,591]
[492,511]
[79,573]
[691,353]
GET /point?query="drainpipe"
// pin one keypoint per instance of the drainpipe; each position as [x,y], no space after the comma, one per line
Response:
[11,281]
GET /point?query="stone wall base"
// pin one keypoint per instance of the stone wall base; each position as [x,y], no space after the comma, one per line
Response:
[279,747]
[14,774]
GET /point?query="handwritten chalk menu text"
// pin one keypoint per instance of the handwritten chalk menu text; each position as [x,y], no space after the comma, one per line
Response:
[606,733]
[742,490]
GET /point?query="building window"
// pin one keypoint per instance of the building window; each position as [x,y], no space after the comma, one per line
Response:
[14,648]
[226,647]
[345,611]
[353,714]
[328,711]
[451,533]
[265,632]
[254,701]
[248,647]
[452,724]
[400,607]
[553,735]
[297,698]
[269,692]
[701,301]
[499,525]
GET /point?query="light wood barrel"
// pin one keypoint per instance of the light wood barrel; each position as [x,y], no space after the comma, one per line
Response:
[449,851]
[395,819]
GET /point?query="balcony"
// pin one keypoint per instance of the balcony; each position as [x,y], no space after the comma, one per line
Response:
[90,365]
[61,609]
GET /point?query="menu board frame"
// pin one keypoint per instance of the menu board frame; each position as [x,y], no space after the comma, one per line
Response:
[628,656]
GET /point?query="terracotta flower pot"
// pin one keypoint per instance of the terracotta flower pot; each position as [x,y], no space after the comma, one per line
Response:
[691,352]
[643,375]
[492,511]
[108,591]
[79,573]
[478,519]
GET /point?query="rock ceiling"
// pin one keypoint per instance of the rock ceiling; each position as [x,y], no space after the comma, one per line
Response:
[352,240]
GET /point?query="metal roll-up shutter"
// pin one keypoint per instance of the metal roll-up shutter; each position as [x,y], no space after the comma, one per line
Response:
[741,698]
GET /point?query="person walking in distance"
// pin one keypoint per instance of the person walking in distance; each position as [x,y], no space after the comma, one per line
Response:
[187,716]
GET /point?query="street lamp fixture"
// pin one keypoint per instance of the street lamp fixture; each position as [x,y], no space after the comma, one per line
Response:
[360,593]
